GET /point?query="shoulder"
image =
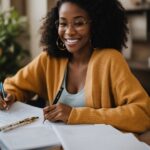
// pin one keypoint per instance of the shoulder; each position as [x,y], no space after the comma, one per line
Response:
[45,57]
[45,60]
[107,55]
[110,59]
[41,56]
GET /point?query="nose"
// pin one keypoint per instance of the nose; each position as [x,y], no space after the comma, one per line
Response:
[70,30]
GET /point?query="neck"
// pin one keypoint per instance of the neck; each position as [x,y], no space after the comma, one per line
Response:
[81,58]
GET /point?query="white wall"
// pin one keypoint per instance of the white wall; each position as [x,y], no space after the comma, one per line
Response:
[36,10]
[5,5]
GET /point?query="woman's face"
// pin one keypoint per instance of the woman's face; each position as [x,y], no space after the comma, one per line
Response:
[74,28]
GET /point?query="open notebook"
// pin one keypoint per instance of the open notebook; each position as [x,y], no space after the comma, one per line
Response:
[95,137]
[71,137]
[32,136]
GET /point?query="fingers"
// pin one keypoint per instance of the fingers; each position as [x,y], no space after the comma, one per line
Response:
[3,104]
[8,97]
[6,102]
[48,108]
[52,116]
[46,111]
[59,112]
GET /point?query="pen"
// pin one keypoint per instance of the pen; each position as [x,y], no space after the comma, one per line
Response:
[18,124]
[2,90]
[58,95]
[56,98]
[3,94]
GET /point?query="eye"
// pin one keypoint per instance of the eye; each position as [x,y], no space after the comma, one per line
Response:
[62,24]
[79,23]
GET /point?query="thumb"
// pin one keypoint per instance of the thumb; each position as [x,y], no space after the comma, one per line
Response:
[8,97]
[9,100]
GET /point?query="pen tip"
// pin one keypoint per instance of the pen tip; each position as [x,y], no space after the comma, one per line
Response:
[36,117]
[33,118]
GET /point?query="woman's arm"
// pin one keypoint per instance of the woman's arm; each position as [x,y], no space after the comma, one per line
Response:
[28,80]
[132,104]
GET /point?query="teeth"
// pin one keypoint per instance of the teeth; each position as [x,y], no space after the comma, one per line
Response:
[71,41]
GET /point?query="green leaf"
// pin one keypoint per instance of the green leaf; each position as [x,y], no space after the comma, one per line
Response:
[12,25]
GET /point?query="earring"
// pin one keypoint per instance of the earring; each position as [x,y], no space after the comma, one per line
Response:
[60,44]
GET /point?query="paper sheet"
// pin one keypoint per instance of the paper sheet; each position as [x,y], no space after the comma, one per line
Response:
[71,137]
[19,111]
[29,138]
[34,135]
[94,137]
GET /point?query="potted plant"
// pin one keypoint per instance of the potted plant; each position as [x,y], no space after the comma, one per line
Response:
[12,53]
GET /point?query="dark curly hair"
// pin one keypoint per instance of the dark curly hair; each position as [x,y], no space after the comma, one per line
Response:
[108,26]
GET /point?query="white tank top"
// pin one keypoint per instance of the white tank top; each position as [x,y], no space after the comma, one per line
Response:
[74,100]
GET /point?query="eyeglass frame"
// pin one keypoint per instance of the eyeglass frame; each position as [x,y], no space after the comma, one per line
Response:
[85,22]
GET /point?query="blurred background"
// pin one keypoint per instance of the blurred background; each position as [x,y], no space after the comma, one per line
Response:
[19,35]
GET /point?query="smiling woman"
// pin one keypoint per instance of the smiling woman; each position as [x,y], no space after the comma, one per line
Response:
[82,40]
[74,28]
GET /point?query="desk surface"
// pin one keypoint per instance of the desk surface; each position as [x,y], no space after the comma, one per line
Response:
[82,135]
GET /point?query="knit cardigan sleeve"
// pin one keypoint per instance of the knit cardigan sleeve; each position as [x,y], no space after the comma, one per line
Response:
[28,80]
[132,110]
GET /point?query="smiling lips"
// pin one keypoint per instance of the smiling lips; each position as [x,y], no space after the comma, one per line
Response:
[71,42]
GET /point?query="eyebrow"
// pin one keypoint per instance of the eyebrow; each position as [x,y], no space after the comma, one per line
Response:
[73,18]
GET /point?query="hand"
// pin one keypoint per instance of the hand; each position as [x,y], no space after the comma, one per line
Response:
[58,112]
[145,137]
[6,102]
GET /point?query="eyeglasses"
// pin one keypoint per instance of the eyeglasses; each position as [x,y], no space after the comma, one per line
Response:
[78,24]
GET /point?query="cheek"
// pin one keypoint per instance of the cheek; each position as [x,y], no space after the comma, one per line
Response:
[86,35]
[87,32]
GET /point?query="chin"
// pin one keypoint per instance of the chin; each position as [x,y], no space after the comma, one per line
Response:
[72,49]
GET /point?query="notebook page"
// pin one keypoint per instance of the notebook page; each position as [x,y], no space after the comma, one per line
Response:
[34,135]
[29,138]
[87,137]
[19,111]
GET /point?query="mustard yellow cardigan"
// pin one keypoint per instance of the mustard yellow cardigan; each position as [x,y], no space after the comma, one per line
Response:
[113,95]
